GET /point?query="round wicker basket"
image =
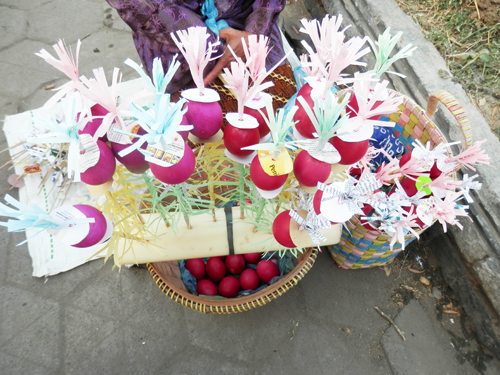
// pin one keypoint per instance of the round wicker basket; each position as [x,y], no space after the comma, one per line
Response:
[167,276]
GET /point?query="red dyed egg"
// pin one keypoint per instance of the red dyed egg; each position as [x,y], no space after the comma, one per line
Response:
[262,180]
[409,186]
[317,201]
[304,125]
[235,264]
[177,173]
[215,269]
[350,152]
[229,287]
[417,220]
[263,128]
[368,211]
[196,267]
[206,287]
[249,280]
[353,107]
[236,138]
[206,118]
[103,171]
[252,257]
[281,229]
[309,171]
[405,159]
[435,172]
[267,270]
[97,228]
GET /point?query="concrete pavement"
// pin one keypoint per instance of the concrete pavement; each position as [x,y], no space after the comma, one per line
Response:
[95,320]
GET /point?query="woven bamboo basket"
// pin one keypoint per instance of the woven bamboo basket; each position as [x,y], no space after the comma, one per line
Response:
[167,276]
[364,248]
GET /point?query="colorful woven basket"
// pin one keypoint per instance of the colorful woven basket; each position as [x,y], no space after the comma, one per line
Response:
[167,276]
[364,248]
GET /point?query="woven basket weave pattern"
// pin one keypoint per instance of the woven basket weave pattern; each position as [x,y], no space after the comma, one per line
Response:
[363,248]
[167,276]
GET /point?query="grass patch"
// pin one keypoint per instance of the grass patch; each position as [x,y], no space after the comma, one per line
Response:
[470,45]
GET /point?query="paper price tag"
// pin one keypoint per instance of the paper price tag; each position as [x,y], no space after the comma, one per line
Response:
[282,165]
[423,208]
[329,154]
[169,155]
[90,154]
[130,125]
[72,234]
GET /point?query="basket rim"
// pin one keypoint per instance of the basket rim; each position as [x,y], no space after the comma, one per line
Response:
[231,304]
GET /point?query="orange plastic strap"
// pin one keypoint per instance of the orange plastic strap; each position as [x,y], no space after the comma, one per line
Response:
[456,110]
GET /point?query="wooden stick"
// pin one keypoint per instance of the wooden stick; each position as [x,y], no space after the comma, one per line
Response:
[388,318]
[11,147]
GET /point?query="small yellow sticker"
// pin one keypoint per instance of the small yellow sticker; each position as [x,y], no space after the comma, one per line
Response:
[282,165]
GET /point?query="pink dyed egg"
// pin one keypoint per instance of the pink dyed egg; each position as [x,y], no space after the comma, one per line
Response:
[92,126]
[177,173]
[206,118]
[97,229]
[135,159]
[103,171]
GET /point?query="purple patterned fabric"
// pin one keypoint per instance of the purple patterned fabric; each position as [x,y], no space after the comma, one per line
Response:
[152,21]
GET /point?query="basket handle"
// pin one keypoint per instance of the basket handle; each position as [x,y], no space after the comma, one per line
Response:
[456,110]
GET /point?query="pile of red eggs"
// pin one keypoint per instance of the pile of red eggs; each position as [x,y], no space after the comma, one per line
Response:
[227,275]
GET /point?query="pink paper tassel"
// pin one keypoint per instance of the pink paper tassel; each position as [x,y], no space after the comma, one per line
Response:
[446,211]
[413,167]
[237,80]
[97,90]
[388,172]
[473,155]
[326,36]
[66,64]
[444,182]
[193,45]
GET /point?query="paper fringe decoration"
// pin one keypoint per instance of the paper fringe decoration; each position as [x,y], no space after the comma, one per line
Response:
[193,45]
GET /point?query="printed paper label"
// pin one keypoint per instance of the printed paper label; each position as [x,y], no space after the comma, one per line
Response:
[90,154]
[30,169]
[130,125]
[169,154]
[329,154]
[72,234]
[282,165]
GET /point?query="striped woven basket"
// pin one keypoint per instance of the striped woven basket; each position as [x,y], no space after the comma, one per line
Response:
[167,276]
[364,248]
